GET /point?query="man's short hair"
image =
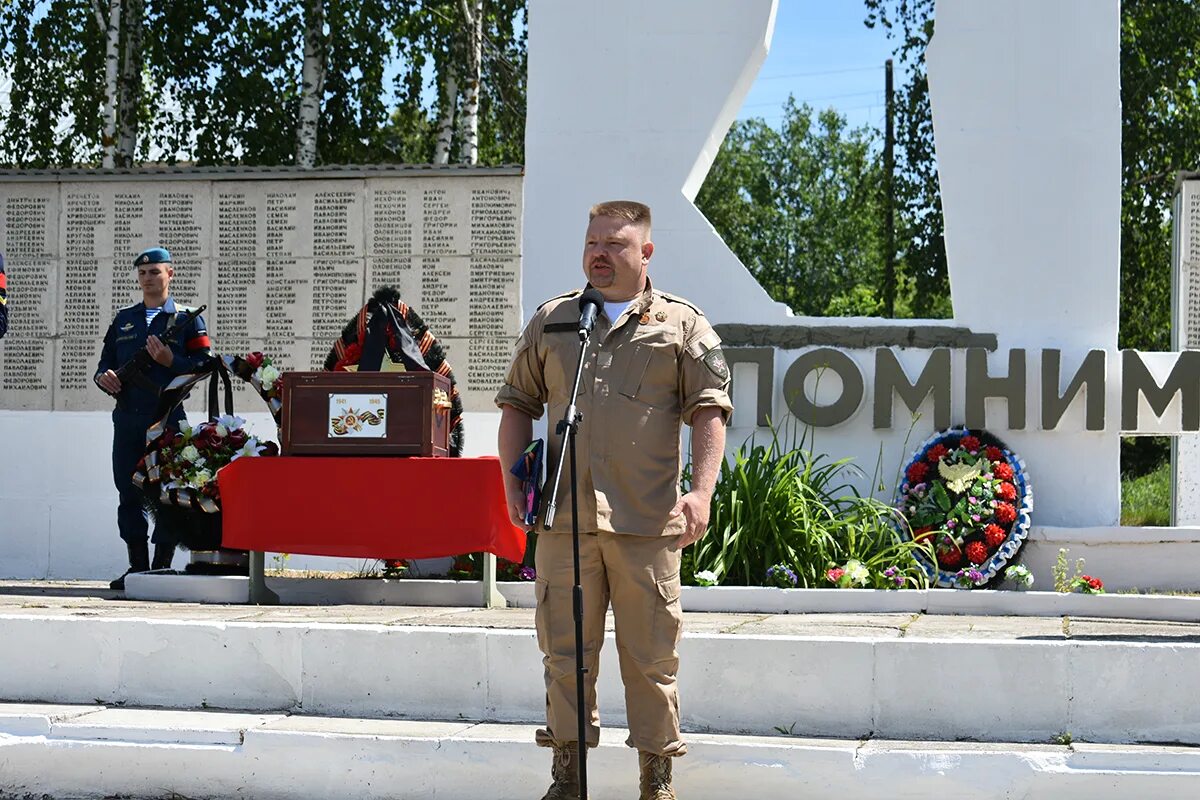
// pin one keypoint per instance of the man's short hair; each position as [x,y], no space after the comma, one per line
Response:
[629,210]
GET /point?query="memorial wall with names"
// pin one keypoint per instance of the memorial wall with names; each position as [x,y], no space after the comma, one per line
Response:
[1185,456]
[1187,266]
[282,261]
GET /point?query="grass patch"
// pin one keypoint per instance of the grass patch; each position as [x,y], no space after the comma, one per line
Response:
[1146,499]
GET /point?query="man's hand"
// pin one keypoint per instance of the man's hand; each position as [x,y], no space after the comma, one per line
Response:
[695,508]
[109,382]
[515,495]
[159,351]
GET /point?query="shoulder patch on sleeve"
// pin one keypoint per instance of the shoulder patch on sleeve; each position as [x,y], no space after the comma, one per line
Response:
[714,359]
[707,348]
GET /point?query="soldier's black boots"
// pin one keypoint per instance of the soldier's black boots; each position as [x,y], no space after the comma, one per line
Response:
[164,554]
[139,561]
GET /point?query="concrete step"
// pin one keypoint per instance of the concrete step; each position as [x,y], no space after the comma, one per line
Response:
[172,587]
[896,676]
[92,751]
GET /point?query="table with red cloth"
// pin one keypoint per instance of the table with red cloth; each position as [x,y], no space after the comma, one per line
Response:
[366,507]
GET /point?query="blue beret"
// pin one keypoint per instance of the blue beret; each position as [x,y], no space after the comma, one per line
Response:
[155,255]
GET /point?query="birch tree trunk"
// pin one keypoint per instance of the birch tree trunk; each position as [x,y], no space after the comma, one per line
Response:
[130,84]
[468,152]
[312,77]
[441,154]
[108,18]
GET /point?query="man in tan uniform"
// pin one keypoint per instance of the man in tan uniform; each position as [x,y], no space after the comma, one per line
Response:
[654,362]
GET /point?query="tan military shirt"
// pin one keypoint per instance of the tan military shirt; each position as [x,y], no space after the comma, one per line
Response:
[645,374]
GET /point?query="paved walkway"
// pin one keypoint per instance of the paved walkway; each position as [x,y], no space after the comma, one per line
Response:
[76,599]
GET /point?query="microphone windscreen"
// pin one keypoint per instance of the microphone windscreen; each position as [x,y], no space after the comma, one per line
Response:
[591,296]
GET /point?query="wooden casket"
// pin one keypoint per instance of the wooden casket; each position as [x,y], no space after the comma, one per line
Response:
[365,413]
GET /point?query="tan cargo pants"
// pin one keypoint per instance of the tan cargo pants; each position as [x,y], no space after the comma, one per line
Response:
[639,575]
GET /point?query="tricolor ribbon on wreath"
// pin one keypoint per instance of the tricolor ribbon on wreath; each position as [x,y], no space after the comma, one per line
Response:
[179,467]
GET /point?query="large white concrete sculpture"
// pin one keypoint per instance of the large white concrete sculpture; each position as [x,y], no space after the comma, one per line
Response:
[1027,124]
[631,99]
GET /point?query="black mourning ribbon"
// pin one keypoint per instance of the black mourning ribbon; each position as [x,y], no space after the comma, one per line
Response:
[375,347]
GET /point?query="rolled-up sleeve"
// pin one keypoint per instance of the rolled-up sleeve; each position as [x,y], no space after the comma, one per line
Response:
[525,386]
[704,375]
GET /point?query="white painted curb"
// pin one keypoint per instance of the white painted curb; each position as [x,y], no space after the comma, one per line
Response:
[723,599]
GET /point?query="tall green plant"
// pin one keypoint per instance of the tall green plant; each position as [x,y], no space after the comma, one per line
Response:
[779,503]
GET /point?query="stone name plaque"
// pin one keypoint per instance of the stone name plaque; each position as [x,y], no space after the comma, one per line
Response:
[282,258]
[1185,455]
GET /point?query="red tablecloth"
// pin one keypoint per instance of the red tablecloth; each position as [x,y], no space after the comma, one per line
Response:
[361,507]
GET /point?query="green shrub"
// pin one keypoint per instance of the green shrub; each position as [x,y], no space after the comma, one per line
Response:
[778,503]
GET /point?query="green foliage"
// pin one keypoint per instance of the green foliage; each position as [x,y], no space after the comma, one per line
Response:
[1064,578]
[1141,455]
[800,206]
[920,228]
[1160,135]
[1146,499]
[779,504]
[222,80]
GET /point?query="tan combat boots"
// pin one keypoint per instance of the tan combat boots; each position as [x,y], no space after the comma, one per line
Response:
[565,772]
[656,777]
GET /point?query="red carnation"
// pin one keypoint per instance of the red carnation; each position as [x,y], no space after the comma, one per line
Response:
[1094,583]
[917,472]
[1005,512]
[977,552]
[936,452]
[238,438]
[255,359]
[994,534]
[1003,471]
[994,454]
[1007,492]
[949,558]
[971,443]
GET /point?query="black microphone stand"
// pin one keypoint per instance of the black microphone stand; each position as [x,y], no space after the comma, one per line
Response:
[568,428]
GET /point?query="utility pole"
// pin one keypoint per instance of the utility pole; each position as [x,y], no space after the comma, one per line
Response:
[889,225]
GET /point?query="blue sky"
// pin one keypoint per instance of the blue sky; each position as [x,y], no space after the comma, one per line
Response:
[824,55]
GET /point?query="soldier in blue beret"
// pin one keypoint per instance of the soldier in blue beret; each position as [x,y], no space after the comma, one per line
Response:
[3,299]
[135,327]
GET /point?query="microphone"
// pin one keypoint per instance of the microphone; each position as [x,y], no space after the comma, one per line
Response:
[590,303]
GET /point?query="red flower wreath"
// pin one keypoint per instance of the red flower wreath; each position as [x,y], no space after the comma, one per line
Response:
[969,497]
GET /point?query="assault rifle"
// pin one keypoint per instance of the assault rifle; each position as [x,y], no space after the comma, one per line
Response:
[134,370]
